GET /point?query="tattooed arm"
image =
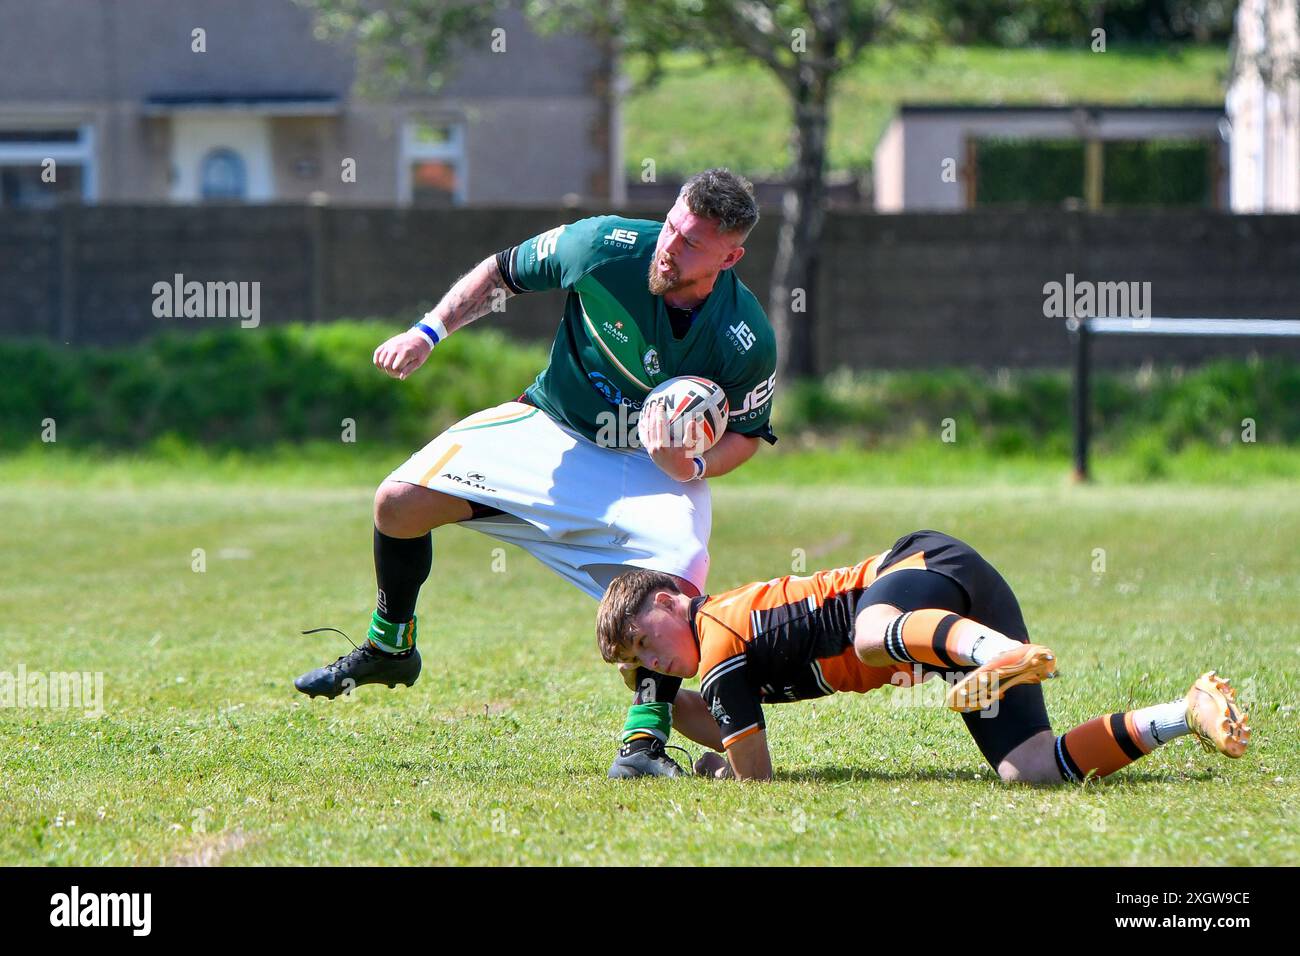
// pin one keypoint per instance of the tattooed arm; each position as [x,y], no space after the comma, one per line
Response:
[473,295]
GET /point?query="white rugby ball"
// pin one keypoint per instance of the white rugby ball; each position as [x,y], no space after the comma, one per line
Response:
[689,398]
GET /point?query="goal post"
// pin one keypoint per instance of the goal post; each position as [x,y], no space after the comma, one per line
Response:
[1082,330]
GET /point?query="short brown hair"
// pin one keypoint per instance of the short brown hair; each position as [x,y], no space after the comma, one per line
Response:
[624,599]
[727,199]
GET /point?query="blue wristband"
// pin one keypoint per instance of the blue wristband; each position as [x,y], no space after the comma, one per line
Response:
[433,337]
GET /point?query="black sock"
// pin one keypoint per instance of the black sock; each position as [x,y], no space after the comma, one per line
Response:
[401,566]
[652,688]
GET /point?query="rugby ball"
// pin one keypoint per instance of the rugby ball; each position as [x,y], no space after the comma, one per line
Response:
[689,398]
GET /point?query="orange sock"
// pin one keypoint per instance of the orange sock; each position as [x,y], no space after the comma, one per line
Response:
[1101,746]
[944,639]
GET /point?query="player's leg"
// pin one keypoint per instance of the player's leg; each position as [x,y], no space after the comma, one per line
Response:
[1012,729]
[955,621]
[404,516]
[406,510]
[644,754]
[691,715]
[513,442]
[916,616]
[1209,711]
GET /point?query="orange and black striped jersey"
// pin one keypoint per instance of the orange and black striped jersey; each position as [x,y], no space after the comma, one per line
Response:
[787,639]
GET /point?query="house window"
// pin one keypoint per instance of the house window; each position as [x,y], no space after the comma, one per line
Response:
[432,164]
[223,176]
[44,167]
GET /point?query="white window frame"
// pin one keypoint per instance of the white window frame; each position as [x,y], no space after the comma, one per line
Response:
[81,153]
[451,152]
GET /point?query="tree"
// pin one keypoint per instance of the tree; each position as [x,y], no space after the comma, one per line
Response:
[806,44]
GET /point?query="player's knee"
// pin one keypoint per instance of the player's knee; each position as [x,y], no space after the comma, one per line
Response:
[1033,762]
[394,509]
[869,633]
[1010,773]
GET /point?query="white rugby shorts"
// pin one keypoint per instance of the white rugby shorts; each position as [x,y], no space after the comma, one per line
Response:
[575,506]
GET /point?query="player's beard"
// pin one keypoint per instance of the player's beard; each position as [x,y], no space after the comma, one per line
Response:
[659,283]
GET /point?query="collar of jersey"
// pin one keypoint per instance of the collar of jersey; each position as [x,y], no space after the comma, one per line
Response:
[703,313]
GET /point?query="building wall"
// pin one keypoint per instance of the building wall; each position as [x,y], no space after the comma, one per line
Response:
[536,115]
[910,157]
[894,291]
[888,169]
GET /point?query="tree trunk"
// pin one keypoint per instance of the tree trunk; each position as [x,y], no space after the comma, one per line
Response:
[792,305]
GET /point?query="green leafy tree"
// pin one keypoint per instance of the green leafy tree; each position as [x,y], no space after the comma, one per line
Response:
[1014,22]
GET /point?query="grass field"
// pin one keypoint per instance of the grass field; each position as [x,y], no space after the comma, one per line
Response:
[206,754]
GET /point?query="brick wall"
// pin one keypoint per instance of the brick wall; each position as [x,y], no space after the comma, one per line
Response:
[894,291]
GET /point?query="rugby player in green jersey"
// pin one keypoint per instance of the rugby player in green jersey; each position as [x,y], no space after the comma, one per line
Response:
[559,471]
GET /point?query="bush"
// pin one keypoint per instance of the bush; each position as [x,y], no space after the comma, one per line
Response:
[238,389]
[1029,411]
[242,390]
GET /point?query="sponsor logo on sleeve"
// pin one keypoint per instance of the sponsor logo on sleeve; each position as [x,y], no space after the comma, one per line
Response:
[547,242]
[622,237]
[741,335]
[755,401]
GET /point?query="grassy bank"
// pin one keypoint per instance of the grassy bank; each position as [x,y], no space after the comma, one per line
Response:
[739,115]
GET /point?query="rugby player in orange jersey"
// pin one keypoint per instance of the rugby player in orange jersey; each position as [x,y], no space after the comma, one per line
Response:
[929,605]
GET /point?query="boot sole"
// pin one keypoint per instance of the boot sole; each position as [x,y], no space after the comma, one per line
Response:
[321,693]
[1231,719]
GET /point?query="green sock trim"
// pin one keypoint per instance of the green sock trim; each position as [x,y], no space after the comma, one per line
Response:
[654,719]
[389,636]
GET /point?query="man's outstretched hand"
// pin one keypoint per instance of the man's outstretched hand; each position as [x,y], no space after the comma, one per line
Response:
[402,354]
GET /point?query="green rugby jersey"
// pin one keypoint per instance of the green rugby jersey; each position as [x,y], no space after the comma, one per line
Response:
[616,343]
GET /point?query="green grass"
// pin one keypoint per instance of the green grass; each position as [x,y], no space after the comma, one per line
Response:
[498,754]
[796,459]
[739,115]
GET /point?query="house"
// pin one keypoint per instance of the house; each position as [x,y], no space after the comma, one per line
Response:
[184,101]
[1264,107]
[935,157]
